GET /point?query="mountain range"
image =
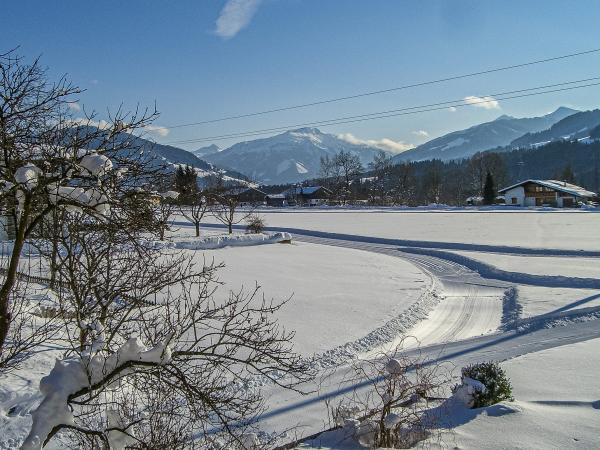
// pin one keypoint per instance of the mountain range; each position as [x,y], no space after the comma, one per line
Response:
[294,156]
[288,157]
[204,151]
[497,133]
[576,126]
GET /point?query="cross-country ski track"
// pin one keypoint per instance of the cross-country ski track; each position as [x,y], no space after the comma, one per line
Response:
[467,324]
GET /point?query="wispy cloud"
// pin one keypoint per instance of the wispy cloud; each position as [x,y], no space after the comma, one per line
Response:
[155,130]
[452,109]
[235,15]
[421,133]
[74,106]
[383,144]
[482,102]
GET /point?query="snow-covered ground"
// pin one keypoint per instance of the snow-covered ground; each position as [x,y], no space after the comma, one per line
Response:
[336,295]
[556,407]
[455,280]
[569,229]
[557,404]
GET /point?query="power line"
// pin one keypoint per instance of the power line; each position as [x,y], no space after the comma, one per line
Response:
[502,96]
[383,91]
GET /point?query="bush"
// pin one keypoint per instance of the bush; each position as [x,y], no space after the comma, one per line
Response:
[255,224]
[492,376]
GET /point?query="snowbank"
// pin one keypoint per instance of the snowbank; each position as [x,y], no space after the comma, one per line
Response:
[233,240]
[489,271]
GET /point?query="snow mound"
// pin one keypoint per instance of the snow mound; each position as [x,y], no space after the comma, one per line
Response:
[227,240]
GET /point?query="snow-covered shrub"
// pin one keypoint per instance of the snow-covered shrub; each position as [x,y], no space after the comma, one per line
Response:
[255,224]
[394,414]
[484,384]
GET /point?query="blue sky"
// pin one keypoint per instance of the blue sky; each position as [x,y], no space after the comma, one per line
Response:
[205,59]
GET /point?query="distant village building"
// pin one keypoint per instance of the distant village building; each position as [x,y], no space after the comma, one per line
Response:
[554,193]
[276,200]
[307,195]
[248,196]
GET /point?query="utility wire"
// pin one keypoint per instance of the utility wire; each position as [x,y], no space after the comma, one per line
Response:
[502,96]
[383,91]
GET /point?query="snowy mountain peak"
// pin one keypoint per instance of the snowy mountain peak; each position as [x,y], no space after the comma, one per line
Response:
[306,130]
[288,157]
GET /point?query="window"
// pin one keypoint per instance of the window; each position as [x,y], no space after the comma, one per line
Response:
[513,200]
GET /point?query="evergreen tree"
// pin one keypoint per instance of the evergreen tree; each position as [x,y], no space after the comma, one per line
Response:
[186,182]
[489,190]
[568,175]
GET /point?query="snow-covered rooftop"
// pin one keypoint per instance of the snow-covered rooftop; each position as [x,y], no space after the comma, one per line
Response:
[557,185]
[306,190]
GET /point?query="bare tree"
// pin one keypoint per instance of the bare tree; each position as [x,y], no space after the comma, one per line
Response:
[225,208]
[154,358]
[51,161]
[403,184]
[163,210]
[195,208]
[382,170]
[339,172]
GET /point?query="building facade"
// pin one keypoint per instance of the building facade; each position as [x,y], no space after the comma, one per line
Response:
[554,193]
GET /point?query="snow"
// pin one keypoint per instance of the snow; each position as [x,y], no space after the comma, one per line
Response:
[227,240]
[557,405]
[455,143]
[96,165]
[454,280]
[566,229]
[300,168]
[73,374]
[27,176]
[330,304]
[170,194]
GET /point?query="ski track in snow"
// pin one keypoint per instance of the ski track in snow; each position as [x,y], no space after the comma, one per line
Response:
[476,317]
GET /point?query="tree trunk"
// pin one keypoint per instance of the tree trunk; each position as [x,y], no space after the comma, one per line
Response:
[230,227]
[197,229]
[11,277]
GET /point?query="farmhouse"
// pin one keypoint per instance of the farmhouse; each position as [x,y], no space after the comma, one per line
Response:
[247,195]
[545,193]
[307,195]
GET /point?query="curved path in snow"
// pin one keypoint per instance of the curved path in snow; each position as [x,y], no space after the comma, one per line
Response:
[470,305]
[461,329]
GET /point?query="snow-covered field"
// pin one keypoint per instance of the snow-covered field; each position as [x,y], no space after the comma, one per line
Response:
[336,295]
[556,404]
[537,229]
[458,281]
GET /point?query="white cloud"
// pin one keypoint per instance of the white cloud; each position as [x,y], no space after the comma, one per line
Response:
[101,124]
[235,15]
[383,144]
[157,130]
[482,102]
[104,125]
[421,133]
[73,106]
[452,109]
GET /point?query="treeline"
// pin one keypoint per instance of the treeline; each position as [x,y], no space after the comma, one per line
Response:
[454,182]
